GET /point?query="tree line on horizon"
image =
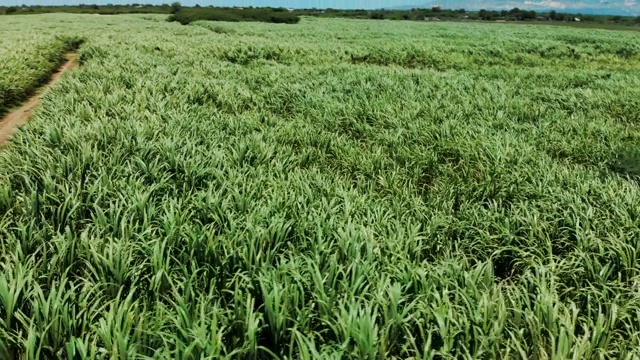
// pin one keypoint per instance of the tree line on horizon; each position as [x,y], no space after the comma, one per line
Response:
[186,15]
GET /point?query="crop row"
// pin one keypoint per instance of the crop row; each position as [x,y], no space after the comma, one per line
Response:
[28,59]
[167,202]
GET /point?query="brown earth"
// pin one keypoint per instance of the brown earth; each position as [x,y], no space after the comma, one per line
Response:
[11,121]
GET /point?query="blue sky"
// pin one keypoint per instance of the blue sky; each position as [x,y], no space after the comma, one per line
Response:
[621,7]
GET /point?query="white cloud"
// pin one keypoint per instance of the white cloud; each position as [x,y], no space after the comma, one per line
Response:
[630,2]
[549,4]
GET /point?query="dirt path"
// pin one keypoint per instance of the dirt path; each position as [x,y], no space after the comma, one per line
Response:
[20,116]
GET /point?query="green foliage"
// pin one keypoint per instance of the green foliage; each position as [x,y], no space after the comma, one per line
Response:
[109,9]
[28,59]
[514,14]
[270,15]
[175,7]
[221,29]
[279,15]
[377,15]
[627,163]
[337,189]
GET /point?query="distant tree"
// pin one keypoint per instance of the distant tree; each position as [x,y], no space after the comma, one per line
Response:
[436,9]
[487,15]
[529,15]
[553,15]
[175,7]
[637,20]
[11,10]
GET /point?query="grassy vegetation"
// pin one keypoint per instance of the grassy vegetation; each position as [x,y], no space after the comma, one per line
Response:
[186,15]
[512,15]
[280,16]
[337,189]
[596,25]
[87,9]
[28,59]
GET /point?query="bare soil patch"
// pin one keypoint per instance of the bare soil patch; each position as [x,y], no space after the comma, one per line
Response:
[15,118]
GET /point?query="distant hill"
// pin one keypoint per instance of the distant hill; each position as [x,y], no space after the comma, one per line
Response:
[593,7]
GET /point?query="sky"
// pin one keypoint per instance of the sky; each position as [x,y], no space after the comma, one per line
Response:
[617,7]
